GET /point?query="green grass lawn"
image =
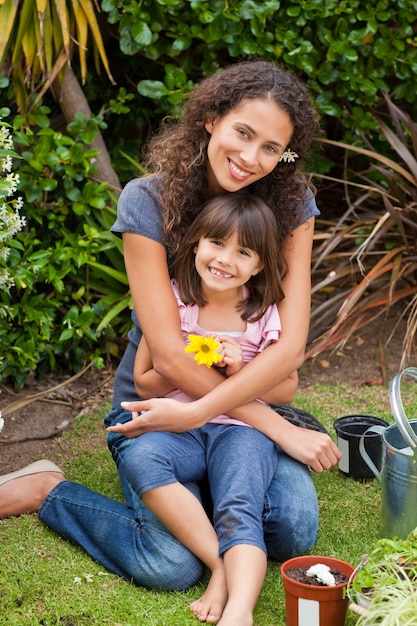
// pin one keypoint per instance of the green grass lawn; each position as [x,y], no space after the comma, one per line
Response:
[44,580]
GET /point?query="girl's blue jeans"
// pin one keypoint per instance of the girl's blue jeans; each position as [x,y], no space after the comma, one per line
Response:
[129,540]
[238,462]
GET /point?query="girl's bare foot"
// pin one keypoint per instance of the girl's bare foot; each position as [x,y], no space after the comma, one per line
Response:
[24,491]
[236,615]
[209,607]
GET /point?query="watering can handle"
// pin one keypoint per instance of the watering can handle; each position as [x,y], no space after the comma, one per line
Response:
[398,409]
[372,429]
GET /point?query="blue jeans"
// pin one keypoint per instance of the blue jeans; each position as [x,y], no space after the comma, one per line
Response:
[130,541]
[238,461]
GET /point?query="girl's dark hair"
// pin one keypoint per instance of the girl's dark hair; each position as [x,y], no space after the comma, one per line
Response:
[255,225]
[179,149]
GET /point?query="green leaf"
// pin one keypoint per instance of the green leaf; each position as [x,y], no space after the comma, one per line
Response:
[98,202]
[66,334]
[229,15]
[48,184]
[293,11]
[327,73]
[141,33]
[181,43]
[306,63]
[126,303]
[154,89]
[206,17]
[330,108]
[249,46]
[108,5]
[119,276]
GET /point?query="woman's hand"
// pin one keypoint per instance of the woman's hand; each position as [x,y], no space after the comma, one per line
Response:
[312,448]
[158,414]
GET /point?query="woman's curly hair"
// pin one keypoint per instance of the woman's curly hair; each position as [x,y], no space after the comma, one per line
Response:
[179,149]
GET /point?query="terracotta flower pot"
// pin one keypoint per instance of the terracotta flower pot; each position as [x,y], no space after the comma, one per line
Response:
[315,605]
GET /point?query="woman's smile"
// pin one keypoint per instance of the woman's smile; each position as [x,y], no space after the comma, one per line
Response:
[238,171]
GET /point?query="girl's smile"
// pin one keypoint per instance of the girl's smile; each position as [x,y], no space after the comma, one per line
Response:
[219,273]
[246,144]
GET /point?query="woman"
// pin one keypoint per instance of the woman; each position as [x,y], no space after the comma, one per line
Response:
[245,126]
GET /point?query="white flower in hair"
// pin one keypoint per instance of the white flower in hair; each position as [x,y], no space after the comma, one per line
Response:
[288,156]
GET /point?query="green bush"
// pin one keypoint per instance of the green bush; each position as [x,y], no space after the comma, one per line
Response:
[348,51]
[67,267]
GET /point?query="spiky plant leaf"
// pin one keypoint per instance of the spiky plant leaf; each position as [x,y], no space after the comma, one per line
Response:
[38,32]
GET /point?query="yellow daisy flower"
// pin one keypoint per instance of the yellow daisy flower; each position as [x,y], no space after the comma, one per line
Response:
[205,349]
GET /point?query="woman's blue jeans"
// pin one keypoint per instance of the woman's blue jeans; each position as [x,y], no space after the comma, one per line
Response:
[129,540]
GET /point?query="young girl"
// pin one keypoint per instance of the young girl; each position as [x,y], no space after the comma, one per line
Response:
[249,125]
[227,285]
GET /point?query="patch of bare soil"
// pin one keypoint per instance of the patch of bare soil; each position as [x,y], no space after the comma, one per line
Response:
[36,416]
[370,357]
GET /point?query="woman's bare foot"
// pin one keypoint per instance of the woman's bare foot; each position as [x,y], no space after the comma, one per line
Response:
[209,607]
[26,494]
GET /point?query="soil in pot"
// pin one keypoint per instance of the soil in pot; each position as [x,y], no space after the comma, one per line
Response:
[300,575]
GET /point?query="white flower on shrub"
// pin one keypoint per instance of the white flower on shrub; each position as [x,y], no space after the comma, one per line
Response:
[322,573]
[11,222]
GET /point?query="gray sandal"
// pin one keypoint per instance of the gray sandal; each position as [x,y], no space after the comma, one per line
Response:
[298,417]
[33,468]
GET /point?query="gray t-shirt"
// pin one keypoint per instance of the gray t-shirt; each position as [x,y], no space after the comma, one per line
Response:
[137,212]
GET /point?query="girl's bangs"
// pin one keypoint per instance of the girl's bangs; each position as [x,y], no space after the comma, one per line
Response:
[247,230]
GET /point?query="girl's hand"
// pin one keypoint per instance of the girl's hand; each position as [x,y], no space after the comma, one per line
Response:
[232,354]
[158,414]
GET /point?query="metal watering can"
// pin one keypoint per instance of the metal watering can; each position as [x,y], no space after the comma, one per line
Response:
[398,474]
